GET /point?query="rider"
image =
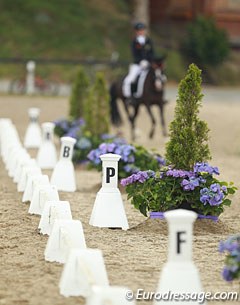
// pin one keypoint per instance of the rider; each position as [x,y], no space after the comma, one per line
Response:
[143,54]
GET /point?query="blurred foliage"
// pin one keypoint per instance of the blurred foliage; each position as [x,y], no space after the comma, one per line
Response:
[63,29]
[96,111]
[94,29]
[205,43]
[78,95]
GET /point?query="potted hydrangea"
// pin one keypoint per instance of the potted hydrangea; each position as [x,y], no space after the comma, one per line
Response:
[231,270]
[89,120]
[188,181]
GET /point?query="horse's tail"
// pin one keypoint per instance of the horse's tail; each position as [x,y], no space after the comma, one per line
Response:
[115,114]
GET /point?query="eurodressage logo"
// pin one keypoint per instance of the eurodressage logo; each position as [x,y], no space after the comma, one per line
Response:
[198,297]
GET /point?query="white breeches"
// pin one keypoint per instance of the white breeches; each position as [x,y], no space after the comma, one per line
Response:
[134,71]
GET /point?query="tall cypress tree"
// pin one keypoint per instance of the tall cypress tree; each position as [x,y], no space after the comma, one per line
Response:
[78,95]
[96,108]
[102,105]
[89,113]
[188,134]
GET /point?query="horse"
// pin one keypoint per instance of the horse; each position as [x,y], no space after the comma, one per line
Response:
[153,94]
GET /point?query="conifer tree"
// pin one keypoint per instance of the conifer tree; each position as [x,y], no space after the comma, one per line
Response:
[89,112]
[102,105]
[188,142]
[96,110]
[78,95]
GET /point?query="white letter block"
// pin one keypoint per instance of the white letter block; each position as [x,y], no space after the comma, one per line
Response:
[21,161]
[27,170]
[13,152]
[16,157]
[34,207]
[53,210]
[83,269]
[179,274]
[108,210]
[41,195]
[47,155]
[63,175]
[32,182]
[65,235]
[114,295]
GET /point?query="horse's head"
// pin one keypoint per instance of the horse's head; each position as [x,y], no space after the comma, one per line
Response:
[159,77]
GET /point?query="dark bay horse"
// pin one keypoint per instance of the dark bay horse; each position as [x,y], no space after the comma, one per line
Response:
[153,94]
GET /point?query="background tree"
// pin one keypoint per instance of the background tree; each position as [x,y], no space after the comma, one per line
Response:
[188,134]
[96,109]
[78,95]
[205,43]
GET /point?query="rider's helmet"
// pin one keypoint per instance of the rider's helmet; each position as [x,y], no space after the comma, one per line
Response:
[139,26]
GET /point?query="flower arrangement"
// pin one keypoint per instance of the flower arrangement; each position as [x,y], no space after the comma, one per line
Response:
[133,158]
[188,181]
[85,140]
[231,270]
[91,102]
[70,128]
[170,188]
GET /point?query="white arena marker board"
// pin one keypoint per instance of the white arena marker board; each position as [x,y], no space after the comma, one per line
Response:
[179,275]
[108,210]
[83,269]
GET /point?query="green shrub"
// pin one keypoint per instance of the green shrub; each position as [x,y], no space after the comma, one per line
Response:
[206,44]
[188,134]
[78,95]
[96,108]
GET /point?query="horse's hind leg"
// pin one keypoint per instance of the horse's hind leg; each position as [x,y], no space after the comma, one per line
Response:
[164,130]
[152,131]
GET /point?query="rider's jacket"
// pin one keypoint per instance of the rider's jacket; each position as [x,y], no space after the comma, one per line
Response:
[141,51]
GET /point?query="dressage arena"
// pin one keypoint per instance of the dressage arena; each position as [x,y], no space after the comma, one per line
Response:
[133,258]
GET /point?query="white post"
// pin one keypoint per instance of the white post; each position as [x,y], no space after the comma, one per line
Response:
[47,155]
[108,210]
[67,148]
[83,269]
[30,78]
[110,171]
[63,175]
[180,278]
[33,136]
[180,224]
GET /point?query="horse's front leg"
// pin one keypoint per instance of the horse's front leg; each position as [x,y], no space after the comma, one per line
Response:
[133,120]
[152,131]
[164,130]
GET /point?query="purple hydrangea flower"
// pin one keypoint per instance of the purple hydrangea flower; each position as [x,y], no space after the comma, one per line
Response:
[224,189]
[213,195]
[140,176]
[178,173]
[130,168]
[73,132]
[191,184]
[205,167]
[124,150]
[232,267]
[227,274]
[161,161]
[78,122]
[63,124]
